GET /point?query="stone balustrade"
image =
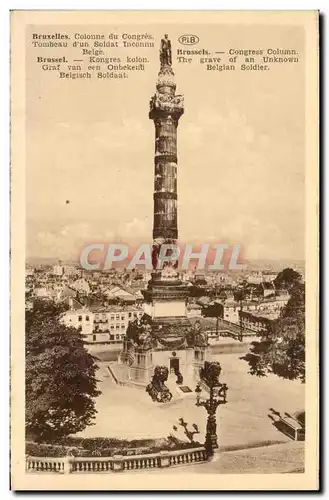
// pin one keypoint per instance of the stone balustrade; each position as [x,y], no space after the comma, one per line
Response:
[45,464]
[162,459]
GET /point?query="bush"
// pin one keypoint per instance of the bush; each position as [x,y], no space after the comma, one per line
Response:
[104,447]
[48,450]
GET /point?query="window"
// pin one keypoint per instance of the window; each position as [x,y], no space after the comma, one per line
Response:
[117,316]
[80,318]
[87,318]
[122,317]
[111,337]
[129,315]
[94,338]
[117,337]
[117,327]
[112,327]
[112,317]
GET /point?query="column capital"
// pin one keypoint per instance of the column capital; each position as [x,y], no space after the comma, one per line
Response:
[162,104]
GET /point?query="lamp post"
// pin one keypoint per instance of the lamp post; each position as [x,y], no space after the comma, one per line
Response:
[241,297]
[217,396]
[241,325]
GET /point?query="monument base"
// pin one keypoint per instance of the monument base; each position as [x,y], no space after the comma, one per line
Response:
[185,361]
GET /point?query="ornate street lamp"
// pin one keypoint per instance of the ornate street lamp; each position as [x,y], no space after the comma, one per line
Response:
[241,294]
[217,396]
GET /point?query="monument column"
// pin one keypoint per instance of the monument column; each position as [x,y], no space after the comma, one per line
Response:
[166,295]
[164,332]
[165,110]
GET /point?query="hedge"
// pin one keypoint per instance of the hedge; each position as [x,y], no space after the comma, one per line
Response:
[104,447]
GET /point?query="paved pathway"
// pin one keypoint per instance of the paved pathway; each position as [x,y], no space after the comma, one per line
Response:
[280,458]
[129,413]
[274,459]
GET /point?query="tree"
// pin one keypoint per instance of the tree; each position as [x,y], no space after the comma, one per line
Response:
[281,349]
[60,376]
[287,279]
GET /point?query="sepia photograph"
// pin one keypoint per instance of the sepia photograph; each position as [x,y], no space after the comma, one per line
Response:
[164,250]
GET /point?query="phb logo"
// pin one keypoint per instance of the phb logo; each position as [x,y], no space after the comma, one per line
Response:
[188,39]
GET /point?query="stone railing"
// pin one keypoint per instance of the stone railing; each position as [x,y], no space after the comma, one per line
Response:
[45,464]
[67,465]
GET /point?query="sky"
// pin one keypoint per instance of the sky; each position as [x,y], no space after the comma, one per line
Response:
[90,148]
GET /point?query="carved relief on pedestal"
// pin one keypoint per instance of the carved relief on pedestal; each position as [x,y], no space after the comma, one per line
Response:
[139,335]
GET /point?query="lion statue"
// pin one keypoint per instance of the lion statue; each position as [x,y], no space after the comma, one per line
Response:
[157,388]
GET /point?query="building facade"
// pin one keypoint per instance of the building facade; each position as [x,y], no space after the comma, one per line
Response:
[102,325]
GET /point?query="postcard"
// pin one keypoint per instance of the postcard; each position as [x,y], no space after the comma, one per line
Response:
[164,250]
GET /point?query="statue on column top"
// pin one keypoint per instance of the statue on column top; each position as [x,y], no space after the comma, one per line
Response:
[165,52]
